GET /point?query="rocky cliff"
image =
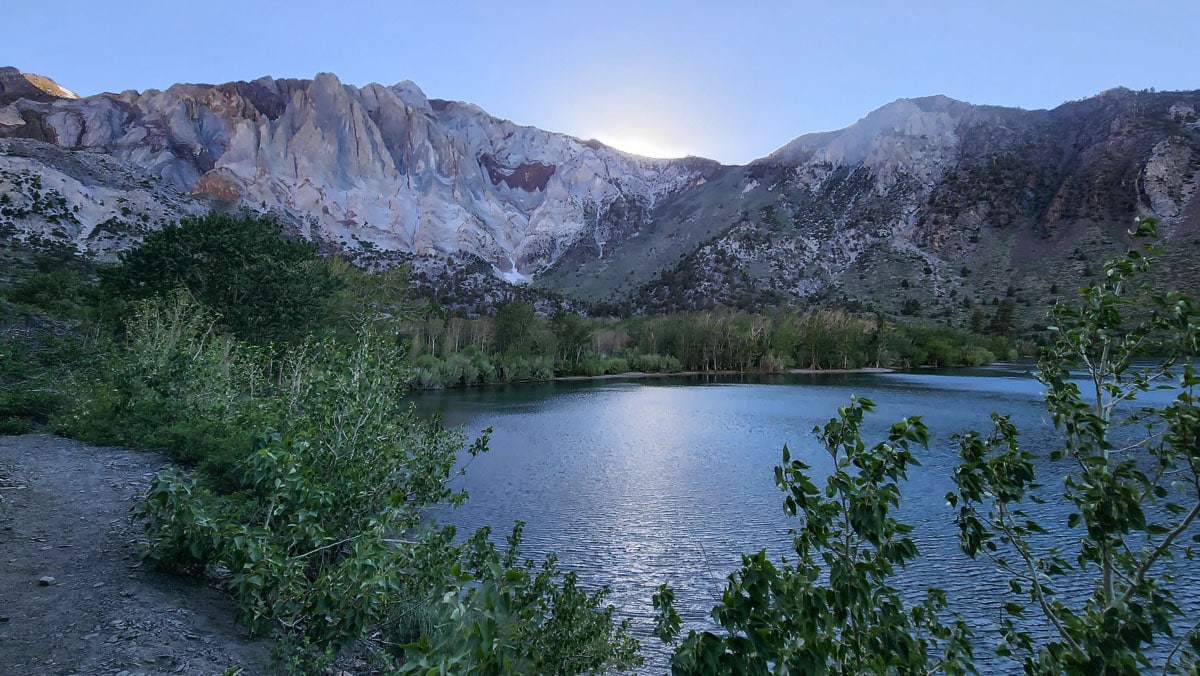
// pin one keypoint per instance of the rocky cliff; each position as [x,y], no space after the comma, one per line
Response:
[17,85]
[371,167]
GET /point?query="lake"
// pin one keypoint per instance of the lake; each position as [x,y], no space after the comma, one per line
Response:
[636,483]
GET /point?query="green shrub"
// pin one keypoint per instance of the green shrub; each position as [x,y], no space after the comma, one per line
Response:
[771,364]
[259,285]
[325,537]
[592,365]
[654,363]
[977,356]
[35,360]
[176,384]
[484,367]
[28,390]
[521,618]
[312,537]
[1106,587]
[59,292]
[517,369]
[13,425]
[616,366]
[832,607]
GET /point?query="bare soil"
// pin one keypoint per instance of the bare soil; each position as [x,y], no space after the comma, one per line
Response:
[74,597]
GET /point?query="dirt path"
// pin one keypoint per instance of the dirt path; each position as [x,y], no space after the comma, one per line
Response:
[65,514]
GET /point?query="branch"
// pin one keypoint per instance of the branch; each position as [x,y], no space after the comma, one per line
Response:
[1178,645]
[324,547]
[1036,584]
[1158,551]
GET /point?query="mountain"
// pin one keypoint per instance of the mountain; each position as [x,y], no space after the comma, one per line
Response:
[926,206]
[360,168]
[929,207]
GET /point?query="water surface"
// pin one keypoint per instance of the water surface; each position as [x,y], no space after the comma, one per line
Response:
[637,483]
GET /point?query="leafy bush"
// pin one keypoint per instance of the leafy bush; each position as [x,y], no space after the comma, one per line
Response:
[29,392]
[43,340]
[59,292]
[832,610]
[654,363]
[259,285]
[321,541]
[615,366]
[593,365]
[319,524]
[176,384]
[516,369]
[521,618]
[771,364]
[1133,488]
[977,356]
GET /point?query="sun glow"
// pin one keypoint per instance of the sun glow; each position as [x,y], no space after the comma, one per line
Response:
[643,145]
[627,106]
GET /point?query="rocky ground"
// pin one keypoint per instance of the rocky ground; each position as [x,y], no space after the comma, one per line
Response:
[74,598]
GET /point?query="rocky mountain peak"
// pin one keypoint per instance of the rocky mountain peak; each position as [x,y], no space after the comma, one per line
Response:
[371,167]
[931,192]
[929,120]
[411,94]
[17,85]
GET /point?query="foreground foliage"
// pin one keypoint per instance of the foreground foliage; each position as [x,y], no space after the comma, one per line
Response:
[318,519]
[1100,602]
[310,535]
[521,618]
[176,383]
[833,610]
[1107,595]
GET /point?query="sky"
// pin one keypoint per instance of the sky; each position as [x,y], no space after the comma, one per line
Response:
[727,80]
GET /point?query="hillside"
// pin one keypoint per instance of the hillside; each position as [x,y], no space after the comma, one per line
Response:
[927,206]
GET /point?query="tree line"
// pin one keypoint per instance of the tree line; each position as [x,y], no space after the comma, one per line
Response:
[517,344]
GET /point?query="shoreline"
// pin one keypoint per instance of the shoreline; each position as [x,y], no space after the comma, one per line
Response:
[638,375]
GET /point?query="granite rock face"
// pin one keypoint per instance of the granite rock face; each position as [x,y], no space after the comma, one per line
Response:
[374,167]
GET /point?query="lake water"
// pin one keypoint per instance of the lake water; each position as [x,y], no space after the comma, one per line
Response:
[637,483]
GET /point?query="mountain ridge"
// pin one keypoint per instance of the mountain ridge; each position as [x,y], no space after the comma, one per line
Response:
[915,192]
[1035,200]
[378,166]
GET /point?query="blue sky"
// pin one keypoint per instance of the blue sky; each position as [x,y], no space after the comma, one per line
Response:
[727,80]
